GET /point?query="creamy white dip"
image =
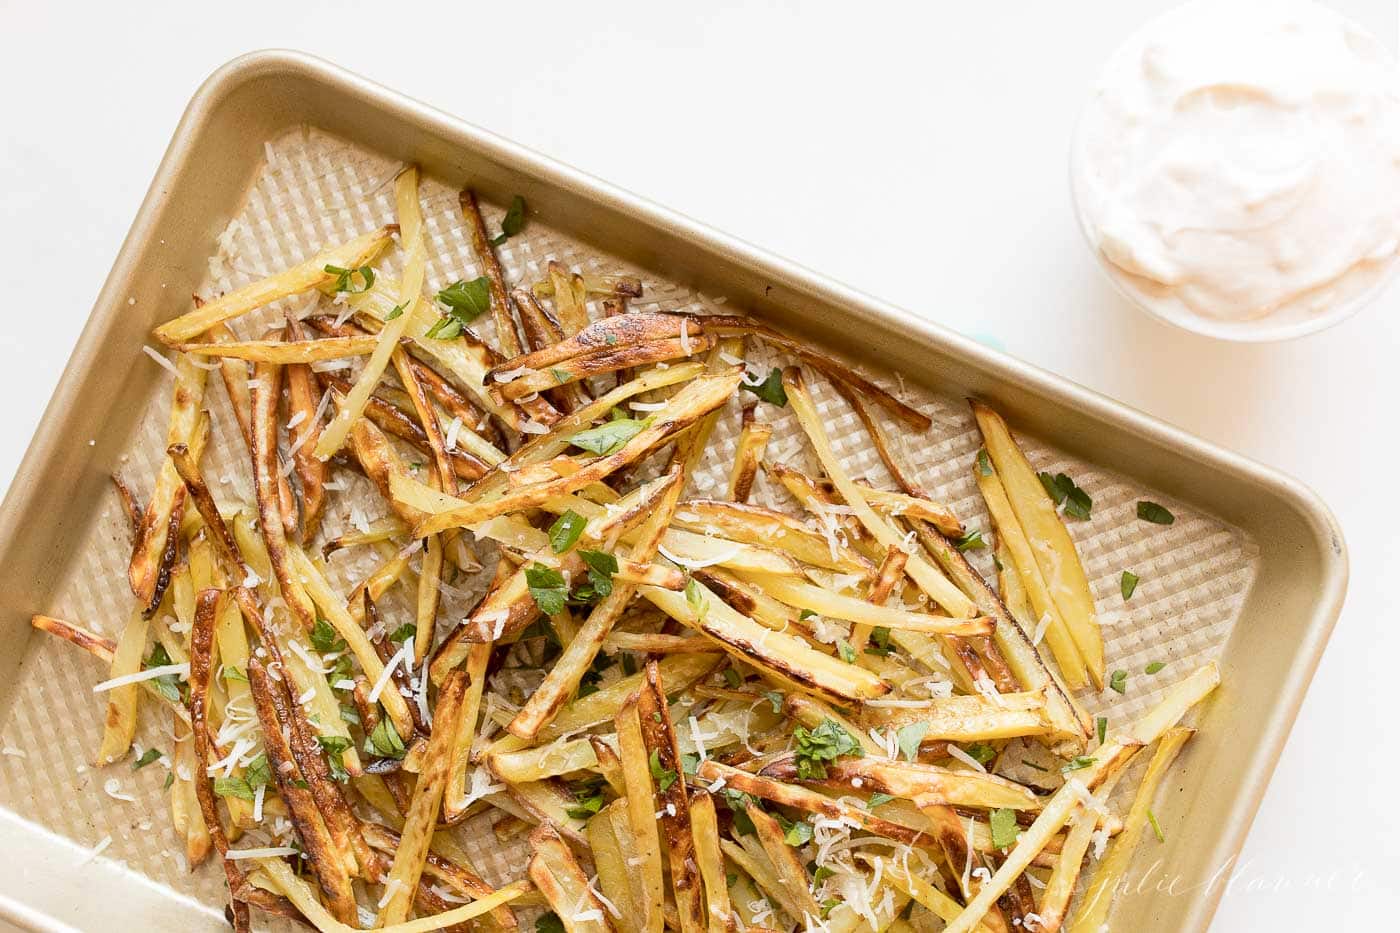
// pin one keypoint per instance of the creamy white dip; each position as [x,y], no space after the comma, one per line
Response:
[1239,161]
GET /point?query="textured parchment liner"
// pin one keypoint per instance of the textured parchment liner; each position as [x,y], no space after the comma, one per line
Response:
[316,189]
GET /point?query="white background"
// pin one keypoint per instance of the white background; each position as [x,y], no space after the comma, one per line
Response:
[915,152]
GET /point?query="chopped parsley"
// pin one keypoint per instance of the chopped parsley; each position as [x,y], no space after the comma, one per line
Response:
[601,568]
[1064,492]
[565,531]
[148,756]
[466,301]
[771,389]
[1127,584]
[878,798]
[258,772]
[325,638]
[879,643]
[1102,724]
[1004,827]
[345,278]
[796,832]
[384,741]
[334,746]
[587,805]
[1156,827]
[1154,667]
[738,802]
[981,752]
[549,922]
[403,633]
[909,738]
[1154,513]
[664,776]
[1119,681]
[608,437]
[233,787]
[775,697]
[847,652]
[731,676]
[827,742]
[972,541]
[984,463]
[167,684]
[547,588]
[695,599]
[513,222]
[1077,763]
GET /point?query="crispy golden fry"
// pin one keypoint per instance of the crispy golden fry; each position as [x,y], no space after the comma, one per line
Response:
[154,554]
[303,277]
[410,306]
[130,505]
[641,813]
[303,431]
[381,529]
[679,672]
[704,826]
[427,802]
[119,725]
[692,402]
[556,873]
[748,453]
[614,874]
[672,801]
[751,524]
[570,296]
[284,352]
[506,334]
[787,869]
[1011,534]
[926,785]
[329,867]
[266,394]
[1053,548]
[788,658]
[621,286]
[1093,912]
[923,893]
[607,335]
[973,718]
[185,814]
[655,643]
[601,362]
[838,606]
[929,579]
[455,801]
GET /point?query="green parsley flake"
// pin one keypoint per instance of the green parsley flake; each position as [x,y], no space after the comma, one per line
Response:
[233,787]
[771,389]
[547,588]
[878,798]
[1004,828]
[565,531]
[1064,492]
[148,756]
[344,278]
[513,222]
[909,738]
[1156,827]
[1127,584]
[827,742]
[325,638]
[1077,763]
[608,437]
[1154,667]
[664,776]
[1119,681]
[384,741]
[403,633]
[1102,723]
[847,652]
[972,541]
[1154,513]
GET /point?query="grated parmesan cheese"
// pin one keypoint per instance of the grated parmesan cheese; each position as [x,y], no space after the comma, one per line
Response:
[150,673]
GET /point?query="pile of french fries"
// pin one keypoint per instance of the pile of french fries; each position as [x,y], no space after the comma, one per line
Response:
[706,713]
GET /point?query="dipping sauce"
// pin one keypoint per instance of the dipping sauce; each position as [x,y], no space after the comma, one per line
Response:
[1238,166]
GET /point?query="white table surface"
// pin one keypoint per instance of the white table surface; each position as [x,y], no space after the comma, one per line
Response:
[917,153]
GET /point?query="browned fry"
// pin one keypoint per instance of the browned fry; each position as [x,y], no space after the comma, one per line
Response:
[201,667]
[311,470]
[235,376]
[454,874]
[606,334]
[748,453]
[380,462]
[621,286]
[654,643]
[273,703]
[440,387]
[217,530]
[286,352]
[94,644]
[385,649]
[600,362]
[609,764]
[428,902]
[791,873]
[810,801]
[687,406]
[506,334]
[565,887]
[422,814]
[752,524]
[891,575]
[130,505]
[266,393]
[704,826]
[672,800]
[912,780]
[393,420]
[542,329]
[833,369]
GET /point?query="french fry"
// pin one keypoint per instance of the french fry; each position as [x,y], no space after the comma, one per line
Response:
[1011,534]
[926,785]
[641,814]
[679,672]
[119,725]
[1053,548]
[750,524]
[410,303]
[506,333]
[704,828]
[973,718]
[427,802]
[787,870]
[284,352]
[154,553]
[837,606]
[302,277]
[303,431]
[928,578]
[614,874]
[622,286]
[556,873]
[748,452]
